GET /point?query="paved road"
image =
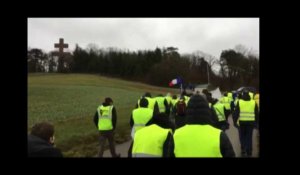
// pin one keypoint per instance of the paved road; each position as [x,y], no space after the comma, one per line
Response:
[232,133]
[121,148]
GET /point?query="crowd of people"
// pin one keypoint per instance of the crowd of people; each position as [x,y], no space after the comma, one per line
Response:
[181,125]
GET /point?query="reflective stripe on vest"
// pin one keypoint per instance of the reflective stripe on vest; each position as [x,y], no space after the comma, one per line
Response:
[160,103]
[219,108]
[247,109]
[149,141]
[141,116]
[197,141]
[105,116]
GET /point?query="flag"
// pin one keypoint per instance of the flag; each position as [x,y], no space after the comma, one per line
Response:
[175,81]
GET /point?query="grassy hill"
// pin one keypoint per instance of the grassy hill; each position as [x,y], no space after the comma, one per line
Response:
[69,101]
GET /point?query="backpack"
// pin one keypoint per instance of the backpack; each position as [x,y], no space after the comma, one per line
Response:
[180,108]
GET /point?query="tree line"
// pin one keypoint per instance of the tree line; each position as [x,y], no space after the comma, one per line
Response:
[236,67]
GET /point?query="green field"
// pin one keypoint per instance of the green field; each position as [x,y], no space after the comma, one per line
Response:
[69,101]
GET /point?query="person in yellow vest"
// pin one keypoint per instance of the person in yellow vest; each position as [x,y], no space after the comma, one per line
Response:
[105,120]
[245,118]
[220,112]
[168,97]
[162,104]
[140,116]
[186,97]
[230,95]
[152,104]
[214,116]
[154,140]
[226,101]
[198,138]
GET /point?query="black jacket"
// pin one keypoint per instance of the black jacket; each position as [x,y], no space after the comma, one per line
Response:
[198,112]
[114,117]
[38,147]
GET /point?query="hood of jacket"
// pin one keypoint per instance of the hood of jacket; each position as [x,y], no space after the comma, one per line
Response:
[198,111]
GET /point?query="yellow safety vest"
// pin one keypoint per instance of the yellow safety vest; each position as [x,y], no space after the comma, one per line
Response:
[169,99]
[151,102]
[219,108]
[247,110]
[149,141]
[138,103]
[236,101]
[160,103]
[105,116]
[173,102]
[226,101]
[251,95]
[186,100]
[197,141]
[141,117]
[229,95]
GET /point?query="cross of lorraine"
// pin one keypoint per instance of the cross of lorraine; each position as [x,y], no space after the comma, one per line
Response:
[61,46]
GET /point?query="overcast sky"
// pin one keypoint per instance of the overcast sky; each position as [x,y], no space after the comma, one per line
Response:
[210,35]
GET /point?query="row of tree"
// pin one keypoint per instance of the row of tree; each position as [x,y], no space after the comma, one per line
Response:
[237,67]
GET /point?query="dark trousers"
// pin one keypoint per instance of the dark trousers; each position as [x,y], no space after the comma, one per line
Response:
[223,125]
[110,137]
[246,132]
[227,113]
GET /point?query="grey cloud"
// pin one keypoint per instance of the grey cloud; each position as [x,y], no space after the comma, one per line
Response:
[210,35]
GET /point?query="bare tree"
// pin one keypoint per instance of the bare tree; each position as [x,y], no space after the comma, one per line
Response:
[241,49]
